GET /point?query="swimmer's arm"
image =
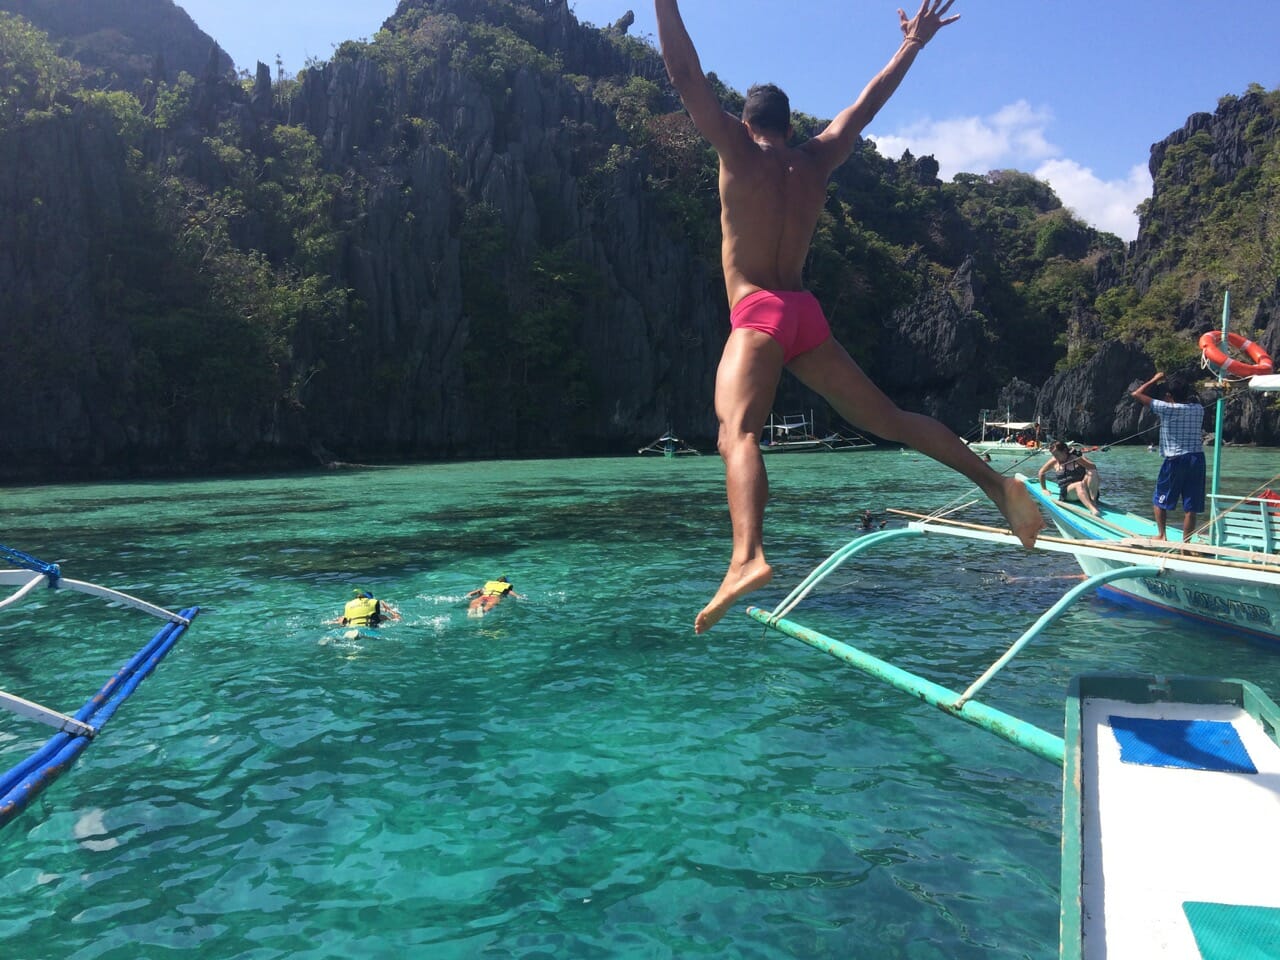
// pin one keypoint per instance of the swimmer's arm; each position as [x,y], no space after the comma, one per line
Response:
[726,132]
[833,145]
[1044,469]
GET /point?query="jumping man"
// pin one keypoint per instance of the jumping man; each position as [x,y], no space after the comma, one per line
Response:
[771,196]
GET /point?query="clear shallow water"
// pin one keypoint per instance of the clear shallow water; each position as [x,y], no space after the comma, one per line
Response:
[577,775]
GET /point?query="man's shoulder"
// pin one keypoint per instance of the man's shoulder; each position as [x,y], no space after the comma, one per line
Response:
[1170,405]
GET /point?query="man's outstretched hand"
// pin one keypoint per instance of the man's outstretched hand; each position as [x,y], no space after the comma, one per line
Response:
[929,20]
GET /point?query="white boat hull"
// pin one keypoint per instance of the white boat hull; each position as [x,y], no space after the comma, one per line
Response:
[1227,602]
[1006,451]
[1243,597]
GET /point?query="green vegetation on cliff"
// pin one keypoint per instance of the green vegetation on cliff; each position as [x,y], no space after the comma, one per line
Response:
[489,214]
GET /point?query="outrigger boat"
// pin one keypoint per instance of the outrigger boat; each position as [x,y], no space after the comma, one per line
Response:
[1000,438]
[1171,785]
[25,780]
[794,434]
[1229,578]
[669,445]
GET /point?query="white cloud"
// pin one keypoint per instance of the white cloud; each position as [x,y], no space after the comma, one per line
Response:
[1106,204]
[1015,137]
[975,144]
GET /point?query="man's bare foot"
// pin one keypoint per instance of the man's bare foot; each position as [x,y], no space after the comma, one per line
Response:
[738,582]
[1020,510]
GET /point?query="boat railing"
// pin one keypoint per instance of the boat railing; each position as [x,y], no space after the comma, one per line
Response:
[1251,523]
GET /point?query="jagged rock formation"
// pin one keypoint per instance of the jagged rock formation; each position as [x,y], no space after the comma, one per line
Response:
[125,43]
[491,232]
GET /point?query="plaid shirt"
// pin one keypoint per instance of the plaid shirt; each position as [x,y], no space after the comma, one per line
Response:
[1181,427]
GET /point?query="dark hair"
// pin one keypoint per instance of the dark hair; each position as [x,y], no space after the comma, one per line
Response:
[1059,446]
[767,109]
[1178,388]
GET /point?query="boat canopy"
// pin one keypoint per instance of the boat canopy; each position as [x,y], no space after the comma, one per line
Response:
[1012,424]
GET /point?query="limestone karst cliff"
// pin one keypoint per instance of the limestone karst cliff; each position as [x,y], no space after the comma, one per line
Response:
[491,231]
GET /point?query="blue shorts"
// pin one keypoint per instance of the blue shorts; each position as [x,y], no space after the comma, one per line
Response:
[1181,478]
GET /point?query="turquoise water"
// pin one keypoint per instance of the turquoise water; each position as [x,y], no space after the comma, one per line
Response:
[577,775]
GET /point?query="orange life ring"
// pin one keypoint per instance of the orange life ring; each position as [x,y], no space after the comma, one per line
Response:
[1211,347]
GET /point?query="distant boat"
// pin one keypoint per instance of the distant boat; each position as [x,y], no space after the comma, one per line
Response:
[794,434]
[669,445]
[1017,439]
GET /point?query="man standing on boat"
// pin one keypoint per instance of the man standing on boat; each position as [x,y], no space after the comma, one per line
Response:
[771,196]
[1181,417]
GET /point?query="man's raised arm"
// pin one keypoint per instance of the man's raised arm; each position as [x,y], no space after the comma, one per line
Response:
[836,142]
[685,71]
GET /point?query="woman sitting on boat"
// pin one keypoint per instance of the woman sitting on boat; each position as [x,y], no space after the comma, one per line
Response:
[1075,474]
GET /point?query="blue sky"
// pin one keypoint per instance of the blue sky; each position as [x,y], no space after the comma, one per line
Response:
[1073,91]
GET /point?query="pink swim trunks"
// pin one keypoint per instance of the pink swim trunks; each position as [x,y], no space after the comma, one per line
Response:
[794,318]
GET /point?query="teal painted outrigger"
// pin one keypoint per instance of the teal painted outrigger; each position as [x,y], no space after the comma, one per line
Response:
[1101,915]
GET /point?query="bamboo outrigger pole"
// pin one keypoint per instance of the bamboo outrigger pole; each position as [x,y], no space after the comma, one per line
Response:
[1018,732]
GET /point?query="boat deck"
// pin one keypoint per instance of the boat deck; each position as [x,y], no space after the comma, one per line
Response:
[1182,842]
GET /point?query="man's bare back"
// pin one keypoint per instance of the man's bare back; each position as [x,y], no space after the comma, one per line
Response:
[771,197]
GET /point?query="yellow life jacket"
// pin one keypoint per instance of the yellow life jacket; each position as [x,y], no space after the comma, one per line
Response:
[361,612]
[496,588]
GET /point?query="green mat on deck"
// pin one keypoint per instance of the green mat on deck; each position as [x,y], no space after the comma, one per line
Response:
[1226,931]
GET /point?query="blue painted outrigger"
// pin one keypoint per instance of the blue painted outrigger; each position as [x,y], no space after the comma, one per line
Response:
[25,780]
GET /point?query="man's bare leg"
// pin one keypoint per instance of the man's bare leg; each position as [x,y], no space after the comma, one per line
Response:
[1162,516]
[1188,526]
[829,370]
[745,384]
